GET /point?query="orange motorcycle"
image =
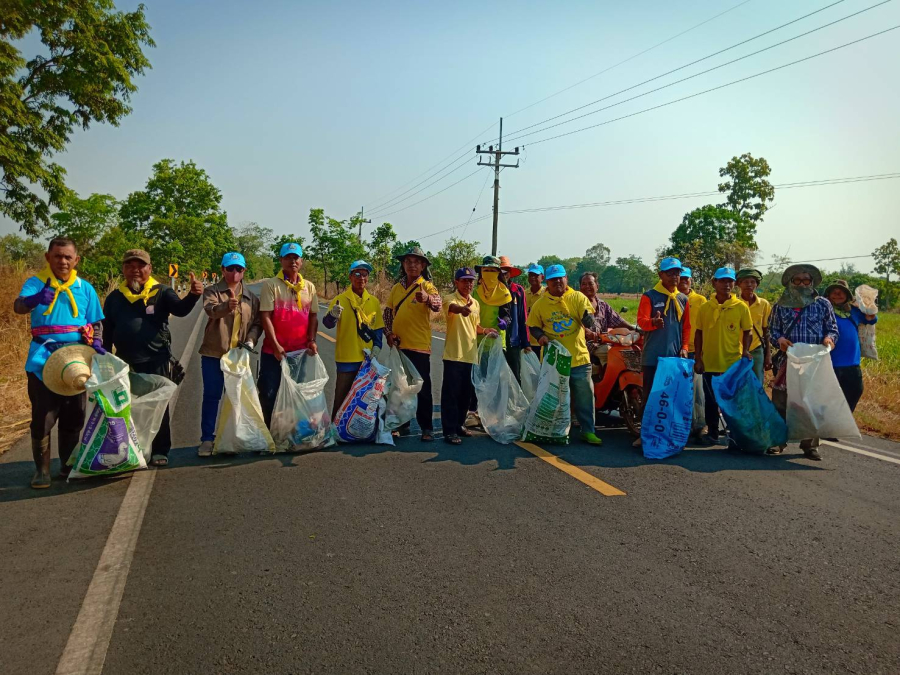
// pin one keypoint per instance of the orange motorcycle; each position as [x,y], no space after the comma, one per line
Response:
[621,384]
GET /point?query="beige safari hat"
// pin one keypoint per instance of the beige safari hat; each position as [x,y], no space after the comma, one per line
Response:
[68,369]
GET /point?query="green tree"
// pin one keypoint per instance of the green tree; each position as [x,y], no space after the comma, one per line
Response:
[15,249]
[595,259]
[84,73]
[104,264]
[179,215]
[887,259]
[255,241]
[85,221]
[455,254]
[380,246]
[628,275]
[334,246]
[748,189]
[710,237]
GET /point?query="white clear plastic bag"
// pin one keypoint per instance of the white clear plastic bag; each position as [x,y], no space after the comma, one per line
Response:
[403,386]
[109,442]
[501,404]
[867,301]
[242,427]
[300,419]
[530,374]
[151,395]
[816,407]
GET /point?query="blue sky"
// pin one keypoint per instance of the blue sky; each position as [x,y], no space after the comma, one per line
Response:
[293,105]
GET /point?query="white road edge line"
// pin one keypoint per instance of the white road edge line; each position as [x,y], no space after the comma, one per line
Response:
[85,651]
[859,451]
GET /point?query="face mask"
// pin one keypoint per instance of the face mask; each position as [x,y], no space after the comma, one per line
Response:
[234,277]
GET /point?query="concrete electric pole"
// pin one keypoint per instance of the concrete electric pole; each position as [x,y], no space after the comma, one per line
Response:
[498,153]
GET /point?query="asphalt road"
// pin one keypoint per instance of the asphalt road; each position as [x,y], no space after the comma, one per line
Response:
[474,559]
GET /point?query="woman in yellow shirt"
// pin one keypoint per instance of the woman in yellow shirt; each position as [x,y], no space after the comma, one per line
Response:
[407,321]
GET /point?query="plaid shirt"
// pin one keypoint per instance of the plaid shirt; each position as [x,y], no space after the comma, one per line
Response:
[605,317]
[816,323]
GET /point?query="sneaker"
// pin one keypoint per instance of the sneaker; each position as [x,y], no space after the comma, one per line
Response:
[591,439]
[775,450]
[206,449]
[813,453]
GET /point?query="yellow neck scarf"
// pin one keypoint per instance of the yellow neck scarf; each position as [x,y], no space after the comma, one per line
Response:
[357,303]
[297,288]
[64,287]
[491,291]
[672,298]
[718,309]
[148,291]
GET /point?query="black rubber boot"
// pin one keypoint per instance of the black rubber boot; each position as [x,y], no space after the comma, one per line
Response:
[40,451]
[68,442]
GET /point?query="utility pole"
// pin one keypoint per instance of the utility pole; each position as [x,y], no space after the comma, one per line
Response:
[498,153]
[361,221]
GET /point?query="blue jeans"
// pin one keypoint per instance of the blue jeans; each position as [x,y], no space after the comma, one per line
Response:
[582,388]
[213,384]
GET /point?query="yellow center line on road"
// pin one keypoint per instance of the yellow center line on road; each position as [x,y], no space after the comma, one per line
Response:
[578,474]
[326,336]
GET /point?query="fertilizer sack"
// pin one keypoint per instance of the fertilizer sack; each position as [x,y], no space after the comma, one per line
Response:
[668,412]
[529,373]
[549,414]
[752,419]
[241,427]
[300,419]
[501,404]
[357,418]
[109,442]
[816,407]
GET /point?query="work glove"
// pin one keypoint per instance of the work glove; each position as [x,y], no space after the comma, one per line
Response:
[42,297]
[336,310]
[248,345]
[97,344]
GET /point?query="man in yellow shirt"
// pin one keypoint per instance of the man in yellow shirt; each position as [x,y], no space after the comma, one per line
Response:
[695,301]
[460,353]
[723,337]
[407,321]
[357,315]
[562,314]
[748,281]
[534,291]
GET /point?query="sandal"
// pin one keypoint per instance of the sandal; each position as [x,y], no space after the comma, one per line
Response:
[453,439]
[427,436]
[776,450]
[159,460]
[465,432]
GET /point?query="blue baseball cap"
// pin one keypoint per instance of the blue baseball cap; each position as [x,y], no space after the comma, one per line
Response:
[555,272]
[686,272]
[535,269]
[360,265]
[233,258]
[292,248]
[724,273]
[464,273]
[667,264]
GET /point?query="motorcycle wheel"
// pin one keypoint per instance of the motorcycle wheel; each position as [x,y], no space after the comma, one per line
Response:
[632,409]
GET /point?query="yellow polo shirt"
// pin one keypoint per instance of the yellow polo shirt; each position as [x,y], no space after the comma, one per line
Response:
[695,302]
[722,336]
[760,312]
[560,319]
[462,330]
[412,322]
[530,299]
[349,346]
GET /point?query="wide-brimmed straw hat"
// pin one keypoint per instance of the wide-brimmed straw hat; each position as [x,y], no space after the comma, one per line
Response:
[68,369]
[416,251]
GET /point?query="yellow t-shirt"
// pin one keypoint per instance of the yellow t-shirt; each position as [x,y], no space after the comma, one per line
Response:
[695,302]
[412,322]
[462,330]
[530,299]
[560,319]
[760,311]
[722,337]
[349,346]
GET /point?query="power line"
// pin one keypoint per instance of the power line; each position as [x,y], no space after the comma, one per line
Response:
[721,86]
[487,175]
[692,63]
[630,58]
[797,262]
[397,200]
[409,206]
[684,79]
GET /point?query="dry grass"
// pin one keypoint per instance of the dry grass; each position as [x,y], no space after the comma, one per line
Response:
[16,337]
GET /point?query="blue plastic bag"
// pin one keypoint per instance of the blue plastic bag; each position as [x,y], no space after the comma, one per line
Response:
[668,411]
[752,419]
